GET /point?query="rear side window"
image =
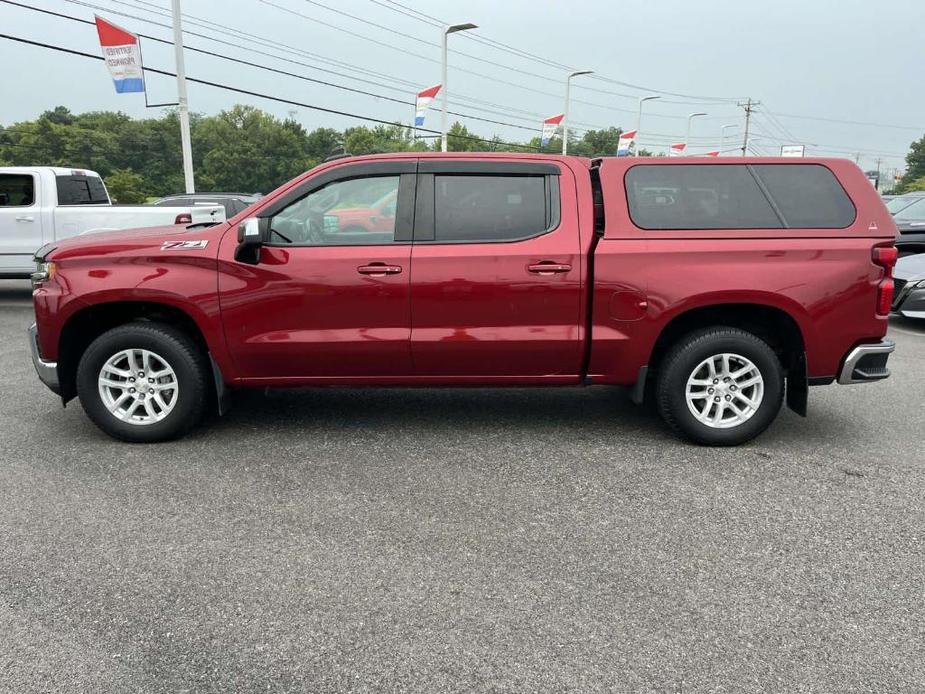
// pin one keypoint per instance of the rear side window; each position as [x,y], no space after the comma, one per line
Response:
[737,196]
[16,190]
[697,196]
[808,196]
[489,207]
[80,190]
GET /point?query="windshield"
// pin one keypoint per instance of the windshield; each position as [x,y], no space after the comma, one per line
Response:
[902,202]
[913,211]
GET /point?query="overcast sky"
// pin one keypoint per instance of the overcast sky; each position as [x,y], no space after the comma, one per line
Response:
[847,60]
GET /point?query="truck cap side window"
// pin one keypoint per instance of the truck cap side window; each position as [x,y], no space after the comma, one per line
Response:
[808,196]
[697,196]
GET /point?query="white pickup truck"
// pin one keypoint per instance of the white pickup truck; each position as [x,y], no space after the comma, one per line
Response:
[43,204]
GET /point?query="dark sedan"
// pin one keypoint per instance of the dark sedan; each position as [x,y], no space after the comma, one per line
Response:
[233,202]
[909,282]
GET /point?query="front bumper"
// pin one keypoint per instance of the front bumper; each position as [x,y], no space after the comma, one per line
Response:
[867,363]
[47,370]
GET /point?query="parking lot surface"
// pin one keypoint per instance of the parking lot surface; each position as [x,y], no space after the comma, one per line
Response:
[462,540]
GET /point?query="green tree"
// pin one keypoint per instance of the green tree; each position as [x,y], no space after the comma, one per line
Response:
[126,187]
[916,185]
[915,165]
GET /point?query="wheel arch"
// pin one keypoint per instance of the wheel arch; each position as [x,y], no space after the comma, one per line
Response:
[772,323]
[89,322]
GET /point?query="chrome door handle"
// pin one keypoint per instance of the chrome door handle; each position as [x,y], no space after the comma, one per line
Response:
[25,218]
[548,268]
[379,269]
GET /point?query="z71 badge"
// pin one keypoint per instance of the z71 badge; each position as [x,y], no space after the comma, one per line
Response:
[184,245]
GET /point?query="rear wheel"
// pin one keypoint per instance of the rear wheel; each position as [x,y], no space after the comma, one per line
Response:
[720,387]
[143,382]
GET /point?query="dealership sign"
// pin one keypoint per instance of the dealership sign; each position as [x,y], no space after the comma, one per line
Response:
[792,150]
[123,56]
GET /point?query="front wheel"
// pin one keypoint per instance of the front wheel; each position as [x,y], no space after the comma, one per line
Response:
[143,382]
[720,387]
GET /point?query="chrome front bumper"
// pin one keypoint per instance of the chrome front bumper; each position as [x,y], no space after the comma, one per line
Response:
[866,363]
[47,370]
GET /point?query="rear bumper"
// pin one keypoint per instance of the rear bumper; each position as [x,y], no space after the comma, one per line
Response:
[47,370]
[866,363]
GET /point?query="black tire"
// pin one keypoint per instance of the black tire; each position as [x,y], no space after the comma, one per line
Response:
[684,357]
[177,349]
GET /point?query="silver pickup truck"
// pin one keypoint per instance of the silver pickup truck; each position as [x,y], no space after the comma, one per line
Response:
[43,204]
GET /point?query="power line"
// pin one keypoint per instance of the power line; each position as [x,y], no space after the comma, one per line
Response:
[284,72]
[197,21]
[434,21]
[259,95]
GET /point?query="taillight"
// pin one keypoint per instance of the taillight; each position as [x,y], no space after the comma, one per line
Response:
[885,256]
[885,296]
[184,218]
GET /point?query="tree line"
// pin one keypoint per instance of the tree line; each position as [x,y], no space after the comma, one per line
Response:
[243,149]
[246,149]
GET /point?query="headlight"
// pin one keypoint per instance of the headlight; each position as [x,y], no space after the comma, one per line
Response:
[920,284]
[44,271]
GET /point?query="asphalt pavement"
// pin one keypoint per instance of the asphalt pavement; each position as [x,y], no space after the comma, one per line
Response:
[462,540]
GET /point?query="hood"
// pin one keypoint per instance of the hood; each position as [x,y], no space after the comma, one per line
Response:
[912,267]
[127,240]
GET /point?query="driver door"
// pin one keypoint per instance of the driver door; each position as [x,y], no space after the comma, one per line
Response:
[329,300]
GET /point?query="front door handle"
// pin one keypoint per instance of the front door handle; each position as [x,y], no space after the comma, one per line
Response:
[379,269]
[547,267]
[25,218]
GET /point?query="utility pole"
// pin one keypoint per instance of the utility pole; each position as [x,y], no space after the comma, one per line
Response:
[749,107]
[452,29]
[182,102]
[568,81]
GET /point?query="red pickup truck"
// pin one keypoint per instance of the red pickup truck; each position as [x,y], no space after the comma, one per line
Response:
[719,289]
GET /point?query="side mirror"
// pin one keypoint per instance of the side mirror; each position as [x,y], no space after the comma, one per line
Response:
[251,236]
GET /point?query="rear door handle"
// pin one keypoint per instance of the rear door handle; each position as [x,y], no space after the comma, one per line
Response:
[547,267]
[25,218]
[379,269]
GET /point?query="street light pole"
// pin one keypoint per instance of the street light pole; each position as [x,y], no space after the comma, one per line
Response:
[722,137]
[687,140]
[452,29]
[568,81]
[182,101]
[642,100]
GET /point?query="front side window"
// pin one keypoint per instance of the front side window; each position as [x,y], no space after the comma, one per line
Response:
[489,207]
[697,196]
[350,212]
[17,190]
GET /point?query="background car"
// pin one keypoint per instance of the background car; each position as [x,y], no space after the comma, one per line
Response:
[909,286]
[232,202]
[897,203]
[910,220]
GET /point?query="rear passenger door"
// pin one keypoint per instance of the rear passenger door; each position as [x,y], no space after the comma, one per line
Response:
[496,271]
